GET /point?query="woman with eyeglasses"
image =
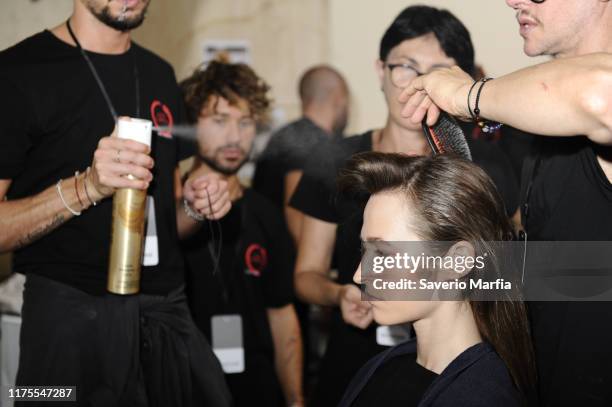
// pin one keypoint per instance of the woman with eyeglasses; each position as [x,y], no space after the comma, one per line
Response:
[419,40]
[467,352]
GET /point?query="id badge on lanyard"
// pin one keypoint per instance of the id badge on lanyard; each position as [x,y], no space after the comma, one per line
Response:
[227,342]
[151,249]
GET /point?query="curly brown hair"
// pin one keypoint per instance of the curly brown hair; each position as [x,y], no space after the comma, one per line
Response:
[233,82]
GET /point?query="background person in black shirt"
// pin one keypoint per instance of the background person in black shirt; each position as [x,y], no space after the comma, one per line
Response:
[325,102]
[55,122]
[419,40]
[249,272]
[570,178]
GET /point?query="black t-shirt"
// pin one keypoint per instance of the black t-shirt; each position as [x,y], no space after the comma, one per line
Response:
[497,164]
[570,200]
[255,273]
[399,382]
[571,197]
[514,143]
[54,115]
[287,150]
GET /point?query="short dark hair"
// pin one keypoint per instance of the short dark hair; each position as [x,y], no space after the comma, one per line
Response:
[416,21]
[229,81]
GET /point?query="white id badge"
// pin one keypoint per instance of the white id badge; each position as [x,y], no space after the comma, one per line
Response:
[227,342]
[391,335]
[151,250]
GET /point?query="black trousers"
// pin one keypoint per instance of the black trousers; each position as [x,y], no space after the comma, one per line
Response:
[138,350]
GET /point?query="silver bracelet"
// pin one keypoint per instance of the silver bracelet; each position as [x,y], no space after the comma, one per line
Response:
[191,213]
[58,186]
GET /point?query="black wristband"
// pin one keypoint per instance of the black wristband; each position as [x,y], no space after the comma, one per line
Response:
[476,108]
[469,100]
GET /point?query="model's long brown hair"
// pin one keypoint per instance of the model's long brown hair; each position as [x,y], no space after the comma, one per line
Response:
[455,201]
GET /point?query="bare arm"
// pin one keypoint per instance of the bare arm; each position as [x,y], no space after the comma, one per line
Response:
[315,249]
[288,352]
[23,221]
[564,97]
[312,283]
[293,217]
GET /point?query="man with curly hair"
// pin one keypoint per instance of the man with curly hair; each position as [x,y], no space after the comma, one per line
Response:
[240,274]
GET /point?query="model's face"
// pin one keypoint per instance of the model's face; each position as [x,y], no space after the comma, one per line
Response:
[555,27]
[225,134]
[122,15]
[423,54]
[388,217]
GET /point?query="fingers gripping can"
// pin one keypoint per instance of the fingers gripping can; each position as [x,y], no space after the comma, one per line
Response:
[129,211]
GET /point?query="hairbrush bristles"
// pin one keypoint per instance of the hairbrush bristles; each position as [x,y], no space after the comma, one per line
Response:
[447,137]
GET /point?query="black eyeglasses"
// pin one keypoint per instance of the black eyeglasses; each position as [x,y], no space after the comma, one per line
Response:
[538,1]
[402,74]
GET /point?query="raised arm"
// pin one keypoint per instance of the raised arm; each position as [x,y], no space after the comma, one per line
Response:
[563,97]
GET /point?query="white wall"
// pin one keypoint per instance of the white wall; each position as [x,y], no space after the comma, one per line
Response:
[356,27]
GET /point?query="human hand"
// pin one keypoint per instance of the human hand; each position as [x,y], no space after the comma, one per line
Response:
[354,311]
[208,195]
[115,159]
[442,89]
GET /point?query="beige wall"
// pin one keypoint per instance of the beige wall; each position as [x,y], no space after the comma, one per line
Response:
[286,37]
[21,18]
[356,27]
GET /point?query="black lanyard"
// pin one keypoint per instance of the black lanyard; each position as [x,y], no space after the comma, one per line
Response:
[226,278]
[94,72]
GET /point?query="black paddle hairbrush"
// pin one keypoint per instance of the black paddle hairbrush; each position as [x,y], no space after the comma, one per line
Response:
[446,136]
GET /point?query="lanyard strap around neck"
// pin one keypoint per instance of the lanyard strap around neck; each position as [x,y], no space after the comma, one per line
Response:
[94,72]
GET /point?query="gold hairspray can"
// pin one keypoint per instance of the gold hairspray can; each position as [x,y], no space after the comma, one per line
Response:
[129,211]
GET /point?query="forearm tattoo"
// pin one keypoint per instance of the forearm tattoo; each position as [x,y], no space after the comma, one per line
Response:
[41,231]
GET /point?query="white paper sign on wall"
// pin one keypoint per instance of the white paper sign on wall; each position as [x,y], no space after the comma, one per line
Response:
[237,51]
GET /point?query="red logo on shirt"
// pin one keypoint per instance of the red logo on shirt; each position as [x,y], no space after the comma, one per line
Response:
[162,117]
[256,259]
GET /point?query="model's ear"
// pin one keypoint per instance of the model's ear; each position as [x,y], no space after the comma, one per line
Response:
[463,255]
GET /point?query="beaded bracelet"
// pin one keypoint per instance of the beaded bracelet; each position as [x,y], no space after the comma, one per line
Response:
[191,213]
[486,126]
